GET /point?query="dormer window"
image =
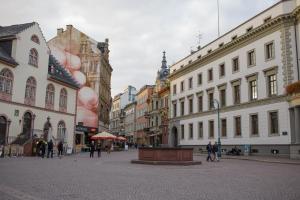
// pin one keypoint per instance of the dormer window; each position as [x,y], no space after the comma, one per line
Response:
[33,57]
[209,51]
[199,57]
[190,61]
[234,37]
[181,66]
[35,39]
[221,44]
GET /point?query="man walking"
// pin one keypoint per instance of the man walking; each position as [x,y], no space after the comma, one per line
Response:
[215,150]
[50,149]
[60,148]
[209,149]
[92,149]
[99,149]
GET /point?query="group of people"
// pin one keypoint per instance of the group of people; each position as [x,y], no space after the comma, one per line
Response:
[212,150]
[97,147]
[41,149]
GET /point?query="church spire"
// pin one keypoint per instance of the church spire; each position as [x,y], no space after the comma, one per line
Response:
[164,61]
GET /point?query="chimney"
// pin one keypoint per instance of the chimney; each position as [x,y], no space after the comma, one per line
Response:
[60,31]
[69,27]
[106,40]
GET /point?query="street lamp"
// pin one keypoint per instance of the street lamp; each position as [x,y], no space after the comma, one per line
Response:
[219,139]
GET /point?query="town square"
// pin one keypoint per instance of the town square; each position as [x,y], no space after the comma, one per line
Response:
[137,99]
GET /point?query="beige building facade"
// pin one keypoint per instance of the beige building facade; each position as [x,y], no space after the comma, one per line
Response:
[88,62]
[246,71]
[37,96]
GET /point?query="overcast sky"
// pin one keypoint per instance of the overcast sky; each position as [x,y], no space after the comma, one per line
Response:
[138,30]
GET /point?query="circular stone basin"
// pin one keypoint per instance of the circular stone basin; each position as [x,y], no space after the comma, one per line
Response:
[165,156]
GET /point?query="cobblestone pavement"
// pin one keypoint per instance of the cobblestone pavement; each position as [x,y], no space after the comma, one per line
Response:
[113,177]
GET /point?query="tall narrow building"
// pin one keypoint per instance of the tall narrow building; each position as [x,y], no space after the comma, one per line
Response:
[88,62]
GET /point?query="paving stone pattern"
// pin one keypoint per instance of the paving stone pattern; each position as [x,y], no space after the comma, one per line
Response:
[113,177]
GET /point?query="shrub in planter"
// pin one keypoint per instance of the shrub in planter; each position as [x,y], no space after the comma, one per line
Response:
[293,88]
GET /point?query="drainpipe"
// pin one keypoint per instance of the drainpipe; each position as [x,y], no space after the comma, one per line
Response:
[296,42]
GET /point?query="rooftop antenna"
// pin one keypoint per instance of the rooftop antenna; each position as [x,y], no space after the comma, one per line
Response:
[199,36]
[218,18]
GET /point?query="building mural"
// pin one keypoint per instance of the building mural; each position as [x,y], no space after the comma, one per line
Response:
[88,62]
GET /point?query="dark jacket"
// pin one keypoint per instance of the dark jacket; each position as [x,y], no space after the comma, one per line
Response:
[209,148]
[50,145]
[92,147]
[60,146]
[98,147]
[215,148]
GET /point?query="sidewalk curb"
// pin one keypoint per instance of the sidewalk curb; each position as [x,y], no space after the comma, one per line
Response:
[257,160]
[265,161]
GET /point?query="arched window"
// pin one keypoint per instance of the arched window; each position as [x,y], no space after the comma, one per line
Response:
[50,91]
[30,91]
[61,131]
[33,57]
[6,83]
[35,39]
[63,97]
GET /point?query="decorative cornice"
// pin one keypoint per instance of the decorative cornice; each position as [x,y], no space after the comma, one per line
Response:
[36,107]
[254,34]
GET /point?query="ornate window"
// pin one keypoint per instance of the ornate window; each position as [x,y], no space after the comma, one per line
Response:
[33,57]
[6,83]
[30,91]
[63,100]
[35,39]
[61,131]
[50,91]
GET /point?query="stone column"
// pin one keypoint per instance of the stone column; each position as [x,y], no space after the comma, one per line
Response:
[292,125]
[297,124]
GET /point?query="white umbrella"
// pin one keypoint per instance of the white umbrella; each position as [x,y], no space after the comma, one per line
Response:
[103,136]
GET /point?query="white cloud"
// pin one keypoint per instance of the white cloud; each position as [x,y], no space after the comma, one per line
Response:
[139,30]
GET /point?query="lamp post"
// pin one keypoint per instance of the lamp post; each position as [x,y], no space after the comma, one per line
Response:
[219,139]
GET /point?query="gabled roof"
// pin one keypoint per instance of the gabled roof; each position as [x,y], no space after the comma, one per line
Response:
[14,29]
[7,58]
[57,72]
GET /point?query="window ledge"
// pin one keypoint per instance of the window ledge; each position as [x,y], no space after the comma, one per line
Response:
[274,134]
[254,135]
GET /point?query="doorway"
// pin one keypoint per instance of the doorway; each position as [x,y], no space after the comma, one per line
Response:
[3,125]
[175,136]
[27,121]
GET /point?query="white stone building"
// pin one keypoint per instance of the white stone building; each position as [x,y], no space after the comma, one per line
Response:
[37,96]
[246,70]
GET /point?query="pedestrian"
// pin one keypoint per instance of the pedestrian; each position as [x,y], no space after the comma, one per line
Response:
[43,148]
[209,151]
[50,149]
[60,148]
[99,148]
[216,150]
[108,148]
[92,149]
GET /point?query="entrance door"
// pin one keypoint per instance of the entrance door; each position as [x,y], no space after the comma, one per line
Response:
[175,136]
[3,125]
[27,119]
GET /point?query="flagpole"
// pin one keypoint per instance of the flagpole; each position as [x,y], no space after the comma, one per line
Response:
[218,18]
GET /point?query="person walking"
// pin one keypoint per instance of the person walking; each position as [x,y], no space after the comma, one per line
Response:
[108,148]
[209,149]
[43,149]
[50,149]
[99,149]
[92,149]
[215,151]
[60,148]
